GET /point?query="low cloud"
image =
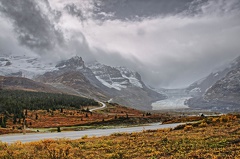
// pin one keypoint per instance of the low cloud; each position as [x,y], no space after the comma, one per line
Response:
[36,27]
[170,47]
[177,49]
[33,25]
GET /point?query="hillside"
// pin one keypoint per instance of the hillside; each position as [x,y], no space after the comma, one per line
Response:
[75,81]
[20,83]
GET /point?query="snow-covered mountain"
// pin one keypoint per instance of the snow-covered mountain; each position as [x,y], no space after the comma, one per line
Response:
[23,66]
[93,80]
[75,76]
[115,77]
[128,86]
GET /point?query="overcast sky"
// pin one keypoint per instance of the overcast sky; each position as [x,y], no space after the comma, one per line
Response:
[171,43]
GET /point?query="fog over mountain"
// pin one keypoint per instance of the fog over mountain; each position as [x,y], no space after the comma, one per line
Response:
[170,43]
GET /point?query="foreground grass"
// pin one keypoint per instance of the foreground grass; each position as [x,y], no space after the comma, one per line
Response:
[217,137]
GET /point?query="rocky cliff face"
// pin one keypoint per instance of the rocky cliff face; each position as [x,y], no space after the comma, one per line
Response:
[75,63]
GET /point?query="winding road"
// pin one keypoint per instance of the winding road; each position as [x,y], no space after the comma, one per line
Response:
[102,107]
[78,134]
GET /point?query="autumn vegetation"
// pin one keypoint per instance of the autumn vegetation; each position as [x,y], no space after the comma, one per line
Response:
[37,110]
[78,119]
[212,137]
[203,137]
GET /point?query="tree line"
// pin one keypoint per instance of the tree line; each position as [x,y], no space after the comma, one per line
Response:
[16,101]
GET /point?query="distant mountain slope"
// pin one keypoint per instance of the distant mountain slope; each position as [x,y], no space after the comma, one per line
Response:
[226,89]
[224,94]
[20,83]
[200,87]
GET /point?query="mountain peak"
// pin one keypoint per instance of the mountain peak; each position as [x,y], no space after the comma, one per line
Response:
[75,62]
[76,58]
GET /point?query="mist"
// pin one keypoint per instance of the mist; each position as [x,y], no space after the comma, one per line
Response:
[170,43]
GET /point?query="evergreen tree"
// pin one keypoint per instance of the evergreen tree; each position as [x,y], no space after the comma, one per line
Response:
[58,129]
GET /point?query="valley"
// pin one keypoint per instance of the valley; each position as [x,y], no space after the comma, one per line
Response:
[119,79]
[31,112]
[120,84]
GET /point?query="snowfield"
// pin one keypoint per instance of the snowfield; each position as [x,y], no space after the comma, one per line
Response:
[24,66]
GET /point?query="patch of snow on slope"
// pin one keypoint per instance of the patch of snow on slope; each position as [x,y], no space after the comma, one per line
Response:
[114,85]
[118,81]
[134,81]
[195,90]
[216,74]
[131,76]
[102,73]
